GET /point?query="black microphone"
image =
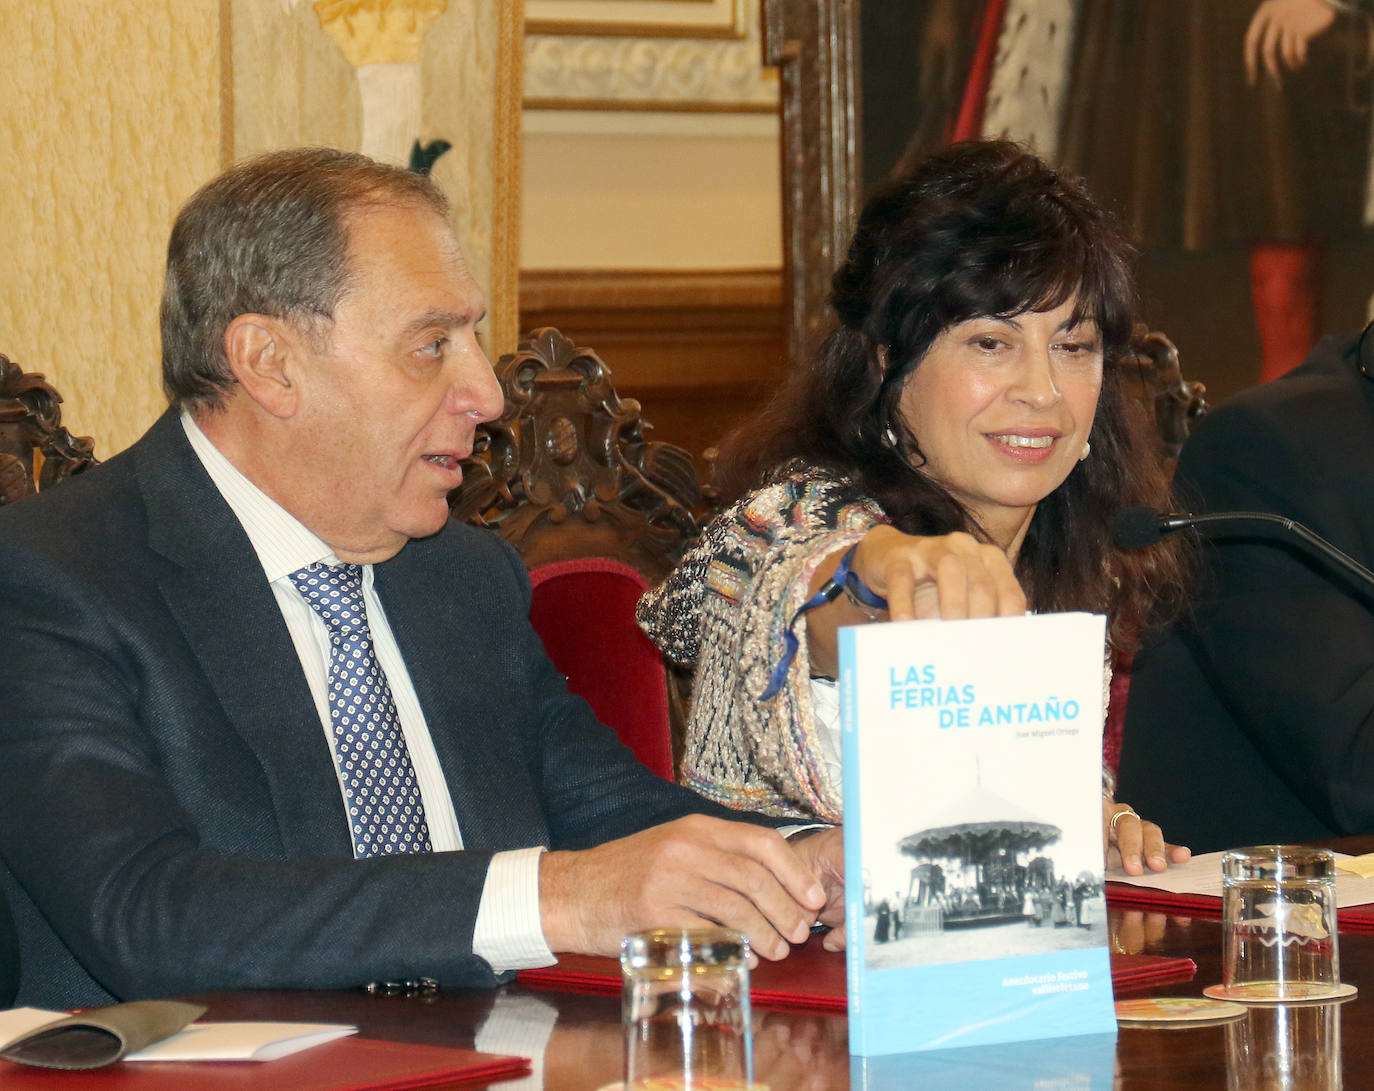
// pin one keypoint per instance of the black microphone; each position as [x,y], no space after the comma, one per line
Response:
[1136,528]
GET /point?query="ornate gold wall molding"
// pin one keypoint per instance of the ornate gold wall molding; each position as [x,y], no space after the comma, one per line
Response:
[604,72]
[381,40]
[378,31]
[639,18]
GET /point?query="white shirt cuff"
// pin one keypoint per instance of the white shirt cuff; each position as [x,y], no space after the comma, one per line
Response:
[508,934]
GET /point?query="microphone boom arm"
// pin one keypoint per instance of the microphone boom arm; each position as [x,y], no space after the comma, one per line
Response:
[1220,521]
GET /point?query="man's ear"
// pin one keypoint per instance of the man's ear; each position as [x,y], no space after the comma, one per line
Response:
[261,351]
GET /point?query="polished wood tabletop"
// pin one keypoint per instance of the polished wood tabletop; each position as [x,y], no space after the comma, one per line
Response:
[1309,1047]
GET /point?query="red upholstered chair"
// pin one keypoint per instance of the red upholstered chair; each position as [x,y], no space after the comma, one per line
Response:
[584,611]
[599,512]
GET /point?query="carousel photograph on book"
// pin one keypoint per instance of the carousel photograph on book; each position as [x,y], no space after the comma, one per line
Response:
[973,831]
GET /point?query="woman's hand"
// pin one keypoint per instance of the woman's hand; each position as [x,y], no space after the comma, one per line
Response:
[1134,844]
[950,576]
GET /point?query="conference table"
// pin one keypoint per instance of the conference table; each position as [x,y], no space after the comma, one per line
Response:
[1294,1046]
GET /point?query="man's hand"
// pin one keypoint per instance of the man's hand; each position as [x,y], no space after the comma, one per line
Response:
[823,853]
[693,872]
[1279,33]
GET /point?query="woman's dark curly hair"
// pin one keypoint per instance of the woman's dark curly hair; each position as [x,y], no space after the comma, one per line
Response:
[979,229]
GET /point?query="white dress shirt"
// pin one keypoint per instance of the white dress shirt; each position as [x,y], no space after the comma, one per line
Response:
[507,933]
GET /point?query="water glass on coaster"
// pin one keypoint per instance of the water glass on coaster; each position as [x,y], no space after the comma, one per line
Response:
[685,1009]
[1278,939]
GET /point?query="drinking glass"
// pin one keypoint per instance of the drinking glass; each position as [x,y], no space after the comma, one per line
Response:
[685,1010]
[1285,1047]
[1278,940]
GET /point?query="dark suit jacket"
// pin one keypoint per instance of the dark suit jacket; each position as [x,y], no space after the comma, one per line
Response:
[9,956]
[1254,722]
[169,812]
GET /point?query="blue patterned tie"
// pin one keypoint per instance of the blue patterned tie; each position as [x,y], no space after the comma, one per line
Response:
[385,812]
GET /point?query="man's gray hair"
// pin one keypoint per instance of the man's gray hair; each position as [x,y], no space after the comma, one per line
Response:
[269,237]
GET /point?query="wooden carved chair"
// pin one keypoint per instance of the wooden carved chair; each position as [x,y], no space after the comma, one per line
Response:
[1174,404]
[567,477]
[36,452]
[566,470]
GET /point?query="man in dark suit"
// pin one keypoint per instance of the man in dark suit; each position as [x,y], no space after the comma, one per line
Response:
[269,718]
[1252,721]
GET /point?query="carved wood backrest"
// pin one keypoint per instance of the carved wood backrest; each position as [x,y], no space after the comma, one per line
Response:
[1174,404]
[566,471]
[36,452]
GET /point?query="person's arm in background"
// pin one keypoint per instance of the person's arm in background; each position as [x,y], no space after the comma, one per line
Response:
[1281,31]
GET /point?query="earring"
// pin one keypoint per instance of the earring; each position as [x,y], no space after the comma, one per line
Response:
[890,438]
[1087,450]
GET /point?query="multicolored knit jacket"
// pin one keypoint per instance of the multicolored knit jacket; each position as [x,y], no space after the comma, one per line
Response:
[726,609]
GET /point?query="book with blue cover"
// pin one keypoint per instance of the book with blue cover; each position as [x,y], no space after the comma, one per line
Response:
[975,910]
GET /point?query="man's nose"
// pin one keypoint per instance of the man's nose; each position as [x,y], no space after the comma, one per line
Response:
[476,391]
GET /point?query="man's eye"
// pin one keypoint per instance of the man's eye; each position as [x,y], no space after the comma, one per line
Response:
[435,348]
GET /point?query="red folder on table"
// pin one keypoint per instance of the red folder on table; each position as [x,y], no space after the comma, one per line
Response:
[813,979]
[1353,918]
[346,1064]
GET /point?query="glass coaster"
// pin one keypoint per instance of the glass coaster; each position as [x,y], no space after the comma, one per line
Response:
[1177,1011]
[1297,994]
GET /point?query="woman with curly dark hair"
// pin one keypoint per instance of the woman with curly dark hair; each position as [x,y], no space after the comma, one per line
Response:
[960,443]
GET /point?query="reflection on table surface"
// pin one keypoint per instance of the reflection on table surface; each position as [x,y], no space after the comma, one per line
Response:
[579,1036]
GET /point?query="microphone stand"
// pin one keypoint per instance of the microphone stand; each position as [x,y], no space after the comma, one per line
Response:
[1219,522]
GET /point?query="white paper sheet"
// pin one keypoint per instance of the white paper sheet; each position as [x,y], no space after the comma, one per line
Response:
[1202,875]
[201,1041]
[241,1041]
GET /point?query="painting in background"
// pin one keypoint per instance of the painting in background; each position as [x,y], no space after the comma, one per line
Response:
[1249,202]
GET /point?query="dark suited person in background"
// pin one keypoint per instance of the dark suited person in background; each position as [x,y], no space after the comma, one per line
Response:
[1253,722]
[268,717]
[9,957]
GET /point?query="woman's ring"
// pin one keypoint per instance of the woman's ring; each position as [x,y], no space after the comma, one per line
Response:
[1111,826]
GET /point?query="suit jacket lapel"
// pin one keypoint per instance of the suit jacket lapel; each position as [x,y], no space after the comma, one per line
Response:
[244,648]
[467,715]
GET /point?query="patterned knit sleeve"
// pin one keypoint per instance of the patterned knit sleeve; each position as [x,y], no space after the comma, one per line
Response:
[727,609]
[785,521]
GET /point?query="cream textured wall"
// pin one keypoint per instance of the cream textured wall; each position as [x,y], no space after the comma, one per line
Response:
[109,118]
[113,112]
[293,85]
